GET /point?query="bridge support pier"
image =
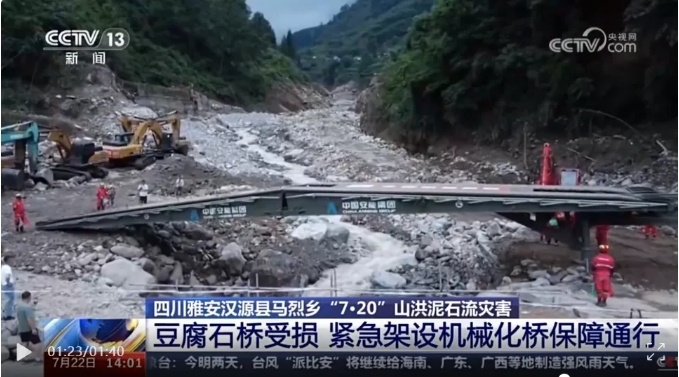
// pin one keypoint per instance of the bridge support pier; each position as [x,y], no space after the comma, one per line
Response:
[585,247]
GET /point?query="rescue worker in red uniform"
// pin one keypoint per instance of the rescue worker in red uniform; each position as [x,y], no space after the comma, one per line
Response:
[102,195]
[602,234]
[650,231]
[19,209]
[603,266]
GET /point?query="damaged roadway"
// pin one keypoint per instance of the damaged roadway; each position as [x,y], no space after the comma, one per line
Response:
[101,275]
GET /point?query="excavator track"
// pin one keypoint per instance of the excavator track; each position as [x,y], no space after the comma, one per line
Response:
[143,162]
[64,173]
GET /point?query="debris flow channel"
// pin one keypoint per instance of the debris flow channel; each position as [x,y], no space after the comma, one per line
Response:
[381,251]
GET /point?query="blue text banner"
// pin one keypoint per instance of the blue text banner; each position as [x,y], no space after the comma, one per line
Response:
[409,335]
[459,307]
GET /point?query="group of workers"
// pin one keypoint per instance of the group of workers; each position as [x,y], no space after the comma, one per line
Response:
[106,196]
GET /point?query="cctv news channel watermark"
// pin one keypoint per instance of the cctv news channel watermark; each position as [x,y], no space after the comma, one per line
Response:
[94,41]
[594,40]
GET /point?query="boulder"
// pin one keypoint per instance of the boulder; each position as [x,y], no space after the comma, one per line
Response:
[337,233]
[232,259]
[537,274]
[127,274]
[127,251]
[276,269]
[194,231]
[312,230]
[177,274]
[494,230]
[86,259]
[388,280]
[46,176]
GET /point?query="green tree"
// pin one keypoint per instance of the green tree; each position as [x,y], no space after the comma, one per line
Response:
[364,27]
[216,45]
[263,27]
[330,73]
[288,46]
[472,68]
[365,69]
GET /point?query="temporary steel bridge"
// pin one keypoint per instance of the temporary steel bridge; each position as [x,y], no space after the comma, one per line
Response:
[601,205]
[528,205]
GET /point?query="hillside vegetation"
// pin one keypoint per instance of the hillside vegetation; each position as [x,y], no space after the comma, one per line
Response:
[216,45]
[357,41]
[482,70]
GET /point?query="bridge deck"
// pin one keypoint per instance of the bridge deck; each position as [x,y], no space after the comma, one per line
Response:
[379,198]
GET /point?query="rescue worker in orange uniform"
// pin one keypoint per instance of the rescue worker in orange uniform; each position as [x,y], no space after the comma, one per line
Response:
[102,195]
[602,234]
[19,209]
[603,266]
[650,231]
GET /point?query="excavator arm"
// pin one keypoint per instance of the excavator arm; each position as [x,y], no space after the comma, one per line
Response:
[141,130]
[129,125]
[63,142]
[136,129]
[176,126]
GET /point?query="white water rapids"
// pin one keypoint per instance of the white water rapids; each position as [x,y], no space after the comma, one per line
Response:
[382,251]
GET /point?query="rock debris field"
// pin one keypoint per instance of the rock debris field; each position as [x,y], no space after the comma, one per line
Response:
[106,274]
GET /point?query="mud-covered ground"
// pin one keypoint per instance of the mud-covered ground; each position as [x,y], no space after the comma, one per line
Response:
[38,249]
[648,263]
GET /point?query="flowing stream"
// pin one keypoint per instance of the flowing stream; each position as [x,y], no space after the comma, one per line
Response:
[382,251]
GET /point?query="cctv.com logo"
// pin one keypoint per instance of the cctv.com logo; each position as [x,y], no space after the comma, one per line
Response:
[595,40]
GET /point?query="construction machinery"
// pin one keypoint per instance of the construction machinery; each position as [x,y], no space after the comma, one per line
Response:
[552,175]
[79,157]
[165,141]
[24,138]
[129,147]
[7,158]
[127,150]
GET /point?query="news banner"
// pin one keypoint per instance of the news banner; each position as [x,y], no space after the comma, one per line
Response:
[356,336]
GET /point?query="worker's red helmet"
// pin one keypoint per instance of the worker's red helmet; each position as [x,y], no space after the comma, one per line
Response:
[603,248]
[560,215]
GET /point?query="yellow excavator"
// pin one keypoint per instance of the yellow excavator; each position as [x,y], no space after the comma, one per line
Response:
[79,157]
[128,148]
[165,141]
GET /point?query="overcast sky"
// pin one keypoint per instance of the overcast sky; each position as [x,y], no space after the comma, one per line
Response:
[296,14]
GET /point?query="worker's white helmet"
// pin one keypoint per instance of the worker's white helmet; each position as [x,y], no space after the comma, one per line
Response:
[18,195]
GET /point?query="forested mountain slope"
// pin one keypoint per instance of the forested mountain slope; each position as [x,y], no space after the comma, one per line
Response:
[216,45]
[483,69]
[355,42]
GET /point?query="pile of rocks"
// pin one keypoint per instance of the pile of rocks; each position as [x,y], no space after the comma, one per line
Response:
[189,255]
[457,255]
[529,270]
